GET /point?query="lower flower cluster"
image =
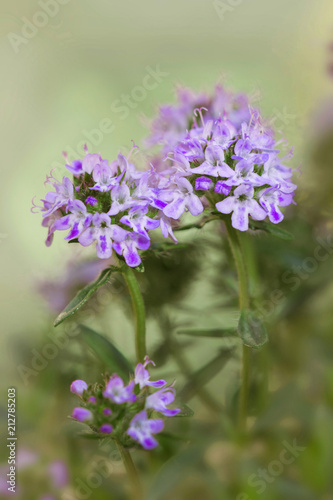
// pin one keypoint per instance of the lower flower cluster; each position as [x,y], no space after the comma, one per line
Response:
[126,411]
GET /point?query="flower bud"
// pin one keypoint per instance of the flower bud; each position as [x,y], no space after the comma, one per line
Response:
[81,414]
[78,387]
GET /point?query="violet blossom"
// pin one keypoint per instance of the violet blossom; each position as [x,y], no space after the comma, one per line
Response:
[141,429]
[118,392]
[124,412]
[222,163]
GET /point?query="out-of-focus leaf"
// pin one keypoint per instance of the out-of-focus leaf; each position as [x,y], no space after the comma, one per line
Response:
[213,333]
[288,488]
[165,246]
[173,472]
[270,228]
[286,402]
[201,377]
[91,435]
[251,329]
[161,353]
[186,411]
[104,349]
[83,295]
[168,275]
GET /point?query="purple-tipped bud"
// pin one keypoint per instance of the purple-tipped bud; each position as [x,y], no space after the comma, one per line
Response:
[107,411]
[203,183]
[222,188]
[81,414]
[106,428]
[78,386]
[92,399]
[91,201]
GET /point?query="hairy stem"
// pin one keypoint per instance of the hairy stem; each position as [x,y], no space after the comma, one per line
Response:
[139,313]
[131,472]
[244,303]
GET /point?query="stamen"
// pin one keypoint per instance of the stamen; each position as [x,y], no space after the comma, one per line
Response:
[198,112]
[133,149]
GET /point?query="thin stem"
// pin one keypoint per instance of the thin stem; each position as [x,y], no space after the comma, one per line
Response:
[131,472]
[244,303]
[244,299]
[139,313]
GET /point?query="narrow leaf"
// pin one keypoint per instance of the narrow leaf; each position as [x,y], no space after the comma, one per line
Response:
[106,351]
[271,228]
[185,411]
[201,377]
[83,295]
[90,435]
[162,247]
[251,329]
[213,333]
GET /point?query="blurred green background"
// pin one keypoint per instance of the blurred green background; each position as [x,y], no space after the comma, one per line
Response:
[60,84]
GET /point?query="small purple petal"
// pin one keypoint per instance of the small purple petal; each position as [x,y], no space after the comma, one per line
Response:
[203,183]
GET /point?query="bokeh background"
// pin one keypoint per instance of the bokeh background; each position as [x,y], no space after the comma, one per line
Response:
[61,84]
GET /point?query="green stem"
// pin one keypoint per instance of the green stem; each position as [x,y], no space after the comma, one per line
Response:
[139,313]
[244,303]
[131,472]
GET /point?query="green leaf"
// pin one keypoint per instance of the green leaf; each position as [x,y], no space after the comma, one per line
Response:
[83,295]
[90,435]
[185,411]
[251,329]
[107,352]
[270,228]
[201,377]
[213,333]
[162,247]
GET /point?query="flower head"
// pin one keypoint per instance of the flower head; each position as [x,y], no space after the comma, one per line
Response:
[223,160]
[141,429]
[241,205]
[159,400]
[111,204]
[117,391]
[125,411]
[142,376]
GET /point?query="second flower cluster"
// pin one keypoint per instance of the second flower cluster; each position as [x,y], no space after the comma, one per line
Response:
[125,411]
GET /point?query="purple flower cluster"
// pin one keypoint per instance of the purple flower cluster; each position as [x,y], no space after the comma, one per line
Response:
[229,164]
[107,203]
[124,411]
[172,121]
[217,155]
